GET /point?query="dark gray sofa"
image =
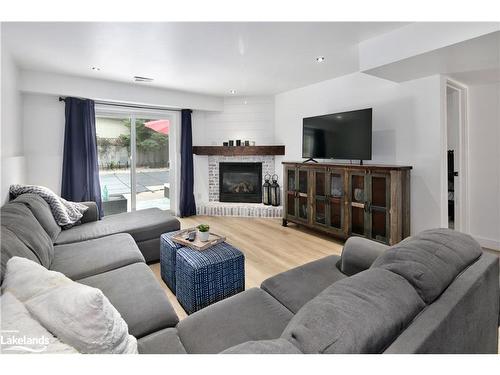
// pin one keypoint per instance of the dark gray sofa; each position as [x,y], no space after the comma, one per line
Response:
[436,292]
[103,254]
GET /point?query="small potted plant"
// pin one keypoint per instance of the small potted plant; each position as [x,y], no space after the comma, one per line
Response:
[203,232]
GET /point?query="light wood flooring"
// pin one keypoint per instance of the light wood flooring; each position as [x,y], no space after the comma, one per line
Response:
[269,248]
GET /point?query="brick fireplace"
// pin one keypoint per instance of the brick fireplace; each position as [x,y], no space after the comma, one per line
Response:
[225,200]
[218,205]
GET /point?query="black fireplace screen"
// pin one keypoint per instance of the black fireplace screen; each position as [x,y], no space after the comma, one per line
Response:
[240,182]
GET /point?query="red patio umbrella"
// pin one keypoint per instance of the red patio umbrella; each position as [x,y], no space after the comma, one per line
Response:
[160,126]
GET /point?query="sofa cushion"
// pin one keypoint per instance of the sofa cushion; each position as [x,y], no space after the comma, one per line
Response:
[295,287]
[142,225]
[135,293]
[88,258]
[277,346]
[165,341]
[18,219]
[250,315]
[12,246]
[358,315]
[431,260]
[41,210]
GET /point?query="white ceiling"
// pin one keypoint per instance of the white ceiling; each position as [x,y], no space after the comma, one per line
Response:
[210,58]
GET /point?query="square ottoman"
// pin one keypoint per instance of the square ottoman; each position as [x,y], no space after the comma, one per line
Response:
[168,253]
[208,276]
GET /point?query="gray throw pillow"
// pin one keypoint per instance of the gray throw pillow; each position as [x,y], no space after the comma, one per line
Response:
[42,213]
[20,220]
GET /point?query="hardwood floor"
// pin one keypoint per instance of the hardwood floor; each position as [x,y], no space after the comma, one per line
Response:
[269,248]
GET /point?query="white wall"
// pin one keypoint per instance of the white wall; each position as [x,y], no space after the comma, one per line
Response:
[13,163]
[244,118]
[484,164]
[406,129]
[43,123]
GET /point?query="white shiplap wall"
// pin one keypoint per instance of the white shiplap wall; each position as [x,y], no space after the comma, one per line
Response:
[244,118]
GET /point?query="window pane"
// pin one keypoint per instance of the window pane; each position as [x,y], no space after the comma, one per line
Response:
[113,149]
[152,163]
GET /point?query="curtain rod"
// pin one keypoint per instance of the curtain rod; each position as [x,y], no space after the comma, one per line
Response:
[115,104]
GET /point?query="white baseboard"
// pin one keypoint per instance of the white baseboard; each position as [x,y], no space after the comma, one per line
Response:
[488,243]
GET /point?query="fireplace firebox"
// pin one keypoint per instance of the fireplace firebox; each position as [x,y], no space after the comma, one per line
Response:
[240,182]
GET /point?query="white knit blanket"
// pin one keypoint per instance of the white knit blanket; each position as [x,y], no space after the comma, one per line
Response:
[65,213]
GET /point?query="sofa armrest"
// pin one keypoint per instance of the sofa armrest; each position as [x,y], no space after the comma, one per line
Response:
[359,254]
[92,214]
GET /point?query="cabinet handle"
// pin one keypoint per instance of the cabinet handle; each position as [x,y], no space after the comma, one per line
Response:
[368,206]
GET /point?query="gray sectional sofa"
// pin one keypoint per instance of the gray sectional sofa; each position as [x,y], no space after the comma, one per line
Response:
[436,292]
[108,254]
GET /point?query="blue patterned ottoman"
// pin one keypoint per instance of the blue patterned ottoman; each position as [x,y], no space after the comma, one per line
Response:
[205,277]
[168,253]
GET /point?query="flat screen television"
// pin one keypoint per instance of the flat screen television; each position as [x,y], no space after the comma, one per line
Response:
[344,135]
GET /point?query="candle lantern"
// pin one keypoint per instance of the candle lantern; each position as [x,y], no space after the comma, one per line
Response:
[275,191]
[266,190]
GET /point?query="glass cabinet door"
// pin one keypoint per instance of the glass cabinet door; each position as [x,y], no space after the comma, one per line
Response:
[378,207]
[336,200]
[303,181]
[302,194]
[320,197]
[358,199]
[291,192]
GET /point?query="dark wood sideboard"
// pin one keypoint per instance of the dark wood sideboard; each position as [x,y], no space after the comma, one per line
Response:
[343,200]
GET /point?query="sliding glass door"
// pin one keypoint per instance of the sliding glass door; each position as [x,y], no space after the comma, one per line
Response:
[152,163]
[134,159]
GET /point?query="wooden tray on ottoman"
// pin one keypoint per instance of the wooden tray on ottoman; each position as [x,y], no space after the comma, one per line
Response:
[213,239]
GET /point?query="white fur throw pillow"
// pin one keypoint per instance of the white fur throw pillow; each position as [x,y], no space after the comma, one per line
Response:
[79,315]
[21,334]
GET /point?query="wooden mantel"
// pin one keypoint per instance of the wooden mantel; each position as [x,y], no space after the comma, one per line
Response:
[238,150]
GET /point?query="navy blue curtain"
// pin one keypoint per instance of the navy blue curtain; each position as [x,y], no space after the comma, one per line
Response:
[80,176]
[187,205]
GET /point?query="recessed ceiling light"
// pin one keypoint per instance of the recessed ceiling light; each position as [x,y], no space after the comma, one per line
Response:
[320,59]
[142,79]
[233,92]
[96,68]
